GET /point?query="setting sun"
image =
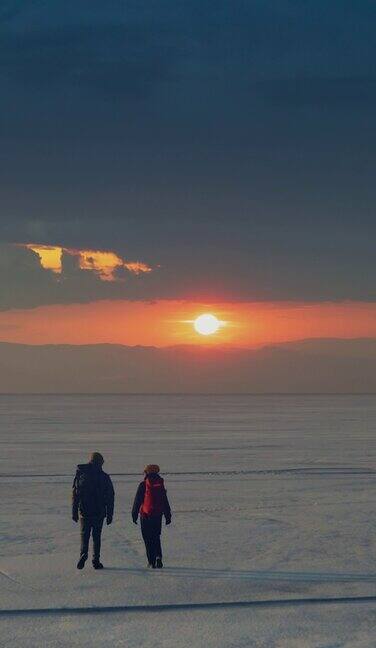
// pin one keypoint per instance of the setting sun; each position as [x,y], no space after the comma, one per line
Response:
[206,324]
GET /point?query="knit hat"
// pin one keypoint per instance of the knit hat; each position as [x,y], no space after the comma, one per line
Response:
[151,468]
[96,458]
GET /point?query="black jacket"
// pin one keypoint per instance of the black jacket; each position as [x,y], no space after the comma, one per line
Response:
[93,492]
[138,501]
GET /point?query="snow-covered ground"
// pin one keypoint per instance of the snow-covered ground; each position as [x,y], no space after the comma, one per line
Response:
[273,541]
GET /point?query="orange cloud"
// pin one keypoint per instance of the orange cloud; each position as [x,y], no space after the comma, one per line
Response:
[50,256]
[104,263]
[137,267]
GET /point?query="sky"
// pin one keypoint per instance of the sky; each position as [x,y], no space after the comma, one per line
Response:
[163,159]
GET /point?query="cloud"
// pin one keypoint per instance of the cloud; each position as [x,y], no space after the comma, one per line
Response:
[231,142]
[50,256]
[105,264]
[40,275]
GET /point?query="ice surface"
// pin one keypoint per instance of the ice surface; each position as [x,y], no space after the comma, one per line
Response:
[273,501]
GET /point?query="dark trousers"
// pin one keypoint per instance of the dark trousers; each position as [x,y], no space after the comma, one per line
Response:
[151,528]
[91,525]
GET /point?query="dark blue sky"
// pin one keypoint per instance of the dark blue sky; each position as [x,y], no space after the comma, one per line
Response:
[232,143]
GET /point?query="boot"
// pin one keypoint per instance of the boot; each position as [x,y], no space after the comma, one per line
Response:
[159,563]
[97,564]
[81,562]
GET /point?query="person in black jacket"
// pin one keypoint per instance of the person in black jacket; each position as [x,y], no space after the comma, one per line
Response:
[92,502]
[151,503]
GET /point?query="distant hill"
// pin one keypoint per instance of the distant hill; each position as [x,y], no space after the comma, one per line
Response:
[308,366]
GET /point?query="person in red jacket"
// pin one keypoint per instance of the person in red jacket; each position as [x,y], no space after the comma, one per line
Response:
[151,503]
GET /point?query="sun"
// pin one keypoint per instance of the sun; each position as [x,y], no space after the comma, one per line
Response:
[206,324]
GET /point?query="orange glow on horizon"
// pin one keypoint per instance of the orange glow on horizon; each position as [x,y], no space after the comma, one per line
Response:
[169,323]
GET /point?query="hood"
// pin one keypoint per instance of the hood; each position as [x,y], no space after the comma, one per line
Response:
[89,467]
[153,477]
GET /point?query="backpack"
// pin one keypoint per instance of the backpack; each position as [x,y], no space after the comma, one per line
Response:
[154,499]
[89,491]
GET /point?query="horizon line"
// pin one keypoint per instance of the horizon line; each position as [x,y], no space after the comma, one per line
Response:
[199,345]
[293,394]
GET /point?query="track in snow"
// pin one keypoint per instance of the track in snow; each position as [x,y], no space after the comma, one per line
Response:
[309,471]
[176,607]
